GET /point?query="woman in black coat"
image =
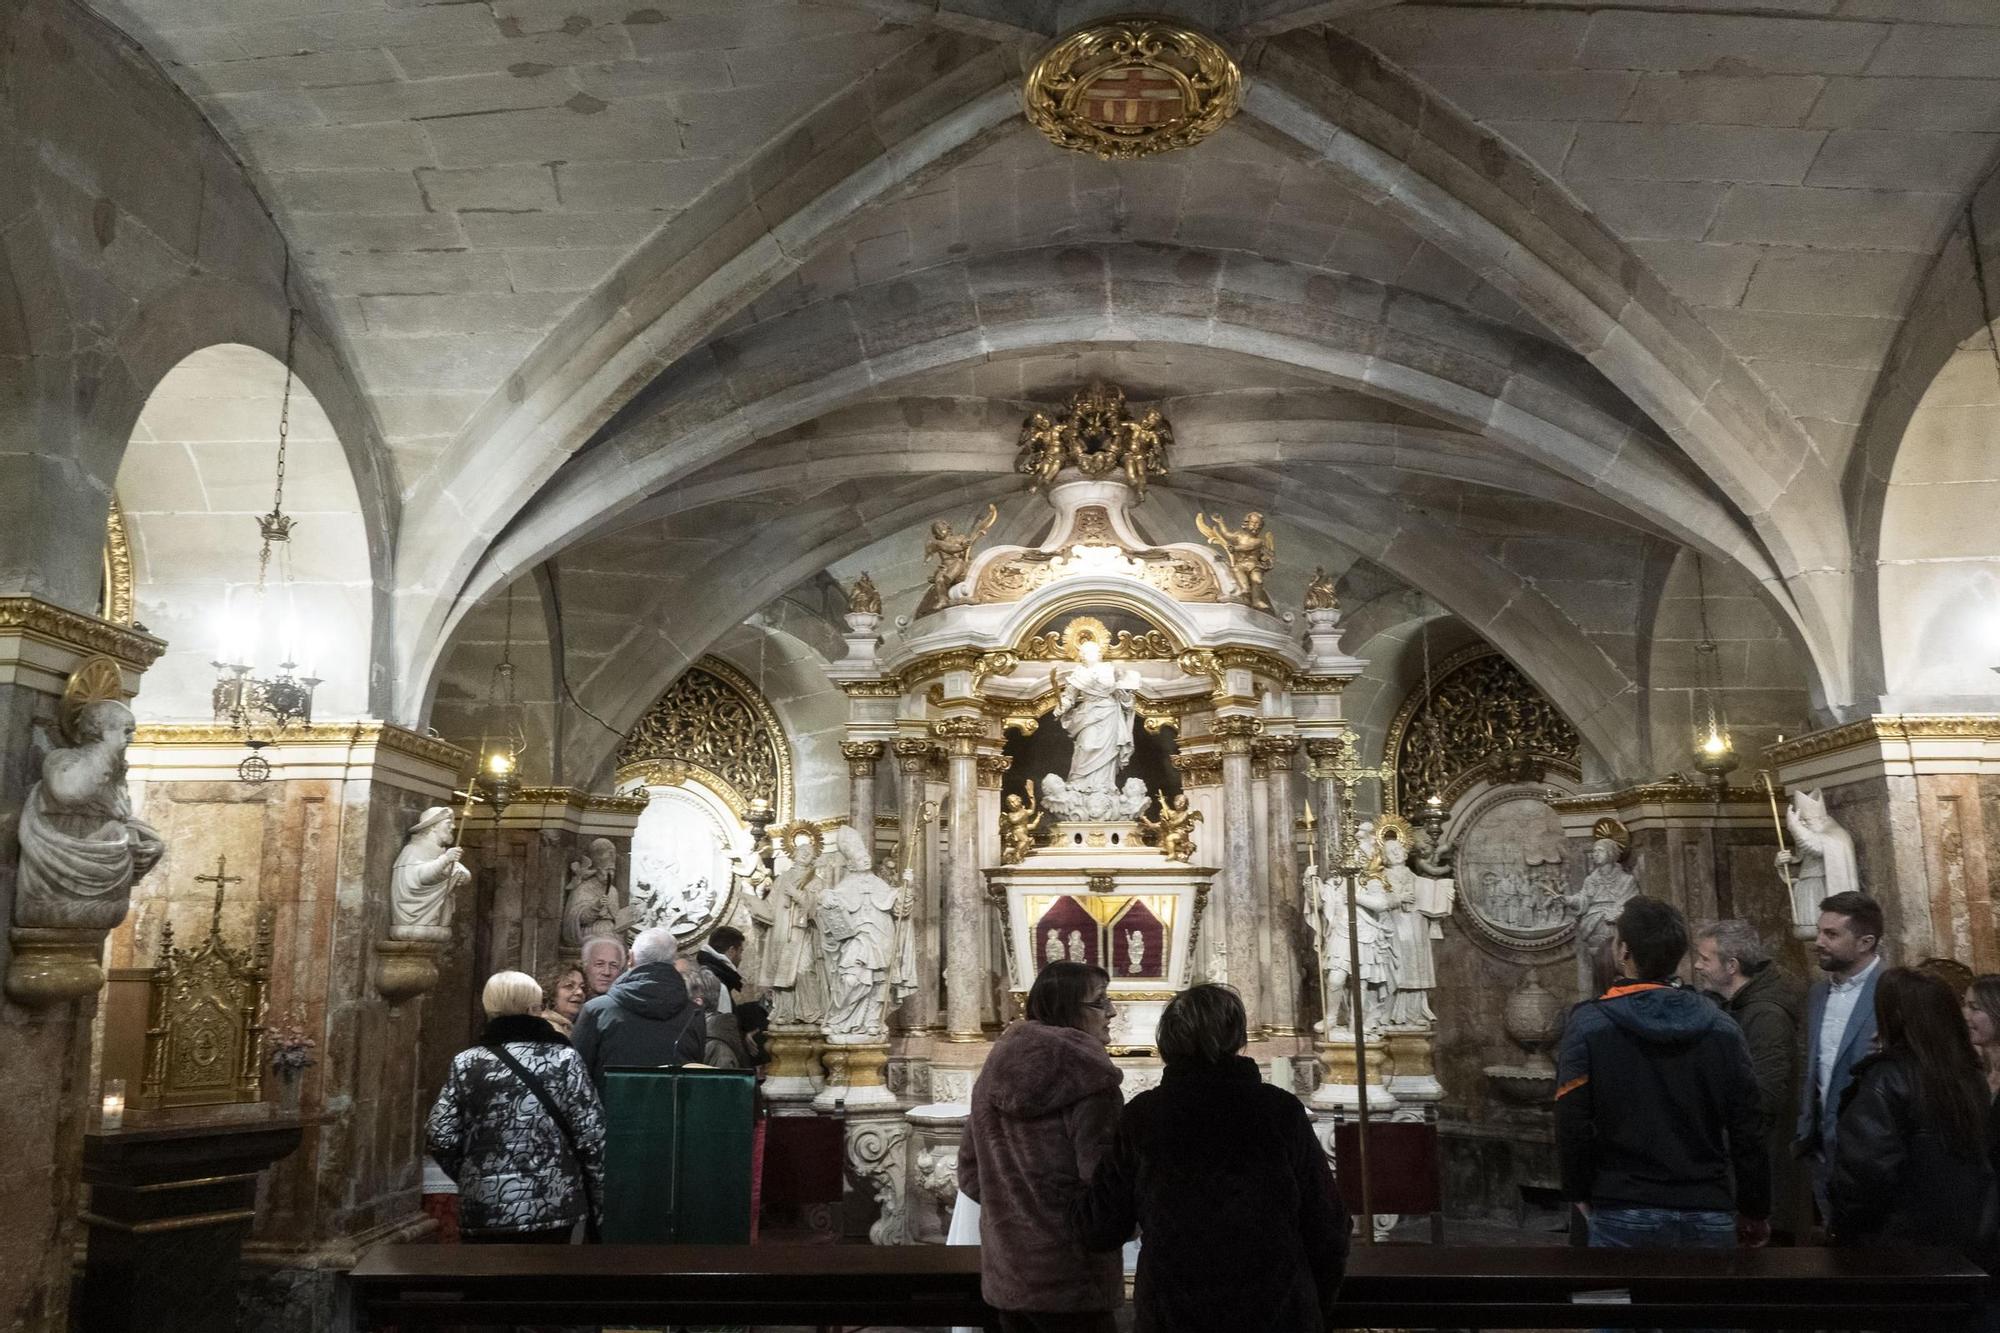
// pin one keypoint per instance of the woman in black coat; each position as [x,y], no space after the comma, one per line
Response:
[1911,1167]
[1221,1175]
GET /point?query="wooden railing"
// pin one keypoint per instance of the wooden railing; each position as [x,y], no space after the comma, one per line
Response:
[832,1286]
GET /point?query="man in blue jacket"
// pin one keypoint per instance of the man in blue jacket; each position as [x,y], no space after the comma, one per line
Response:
[1658,1129]
[1840,1023]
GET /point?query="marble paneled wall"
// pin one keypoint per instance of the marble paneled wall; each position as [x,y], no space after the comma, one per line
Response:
[1920,795]
[314,845]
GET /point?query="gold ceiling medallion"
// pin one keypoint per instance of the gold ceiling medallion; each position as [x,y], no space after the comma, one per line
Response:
[1132,86]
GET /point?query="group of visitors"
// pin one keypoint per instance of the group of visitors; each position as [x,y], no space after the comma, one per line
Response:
[519,1124]
[1683,1123]
[1219,1169]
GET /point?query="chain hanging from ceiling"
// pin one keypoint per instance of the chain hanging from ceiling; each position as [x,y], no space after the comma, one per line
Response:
[714,721]
[1480,718]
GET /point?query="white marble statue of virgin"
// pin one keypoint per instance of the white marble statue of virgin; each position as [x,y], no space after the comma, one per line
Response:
[1096,705]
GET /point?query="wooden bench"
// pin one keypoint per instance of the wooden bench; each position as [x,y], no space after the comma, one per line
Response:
[818,1286]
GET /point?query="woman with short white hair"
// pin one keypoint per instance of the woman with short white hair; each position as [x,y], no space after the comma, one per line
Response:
[518,1125]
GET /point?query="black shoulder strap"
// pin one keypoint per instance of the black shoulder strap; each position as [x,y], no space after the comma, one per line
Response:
[541,1092]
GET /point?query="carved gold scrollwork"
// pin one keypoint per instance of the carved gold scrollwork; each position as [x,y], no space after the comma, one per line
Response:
[205,1018]
[714,720]
[1482,718]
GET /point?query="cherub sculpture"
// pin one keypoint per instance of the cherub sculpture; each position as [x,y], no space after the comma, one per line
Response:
[1143,451]
[863,599]
[1251,551]
[1017,827]
[1175,827]
[1044,450]
[953,551]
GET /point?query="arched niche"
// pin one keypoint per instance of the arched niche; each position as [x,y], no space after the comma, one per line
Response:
[1480,720]
[710,745]
[197,474]
[1939,575]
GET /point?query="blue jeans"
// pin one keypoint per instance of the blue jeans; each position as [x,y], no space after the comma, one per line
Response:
[1661,1229]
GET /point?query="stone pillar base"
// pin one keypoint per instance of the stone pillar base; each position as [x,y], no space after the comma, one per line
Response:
[54,964]
[1337,1087]
[789,1082]
[1412,1056]
[856,1075]
[878,1148]
[405,969]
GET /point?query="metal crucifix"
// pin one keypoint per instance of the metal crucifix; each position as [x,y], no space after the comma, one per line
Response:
[1346,773]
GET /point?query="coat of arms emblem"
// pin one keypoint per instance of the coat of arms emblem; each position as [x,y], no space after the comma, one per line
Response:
[1128,87]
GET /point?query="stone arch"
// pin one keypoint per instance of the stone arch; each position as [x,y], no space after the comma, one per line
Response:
[191,484]
[1921,484]
[1499,215]
[1535,400]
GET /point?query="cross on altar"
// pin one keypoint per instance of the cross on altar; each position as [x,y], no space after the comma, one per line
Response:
[221,879]
[1347,772]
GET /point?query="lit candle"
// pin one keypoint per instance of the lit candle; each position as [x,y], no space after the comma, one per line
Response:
[114,1103]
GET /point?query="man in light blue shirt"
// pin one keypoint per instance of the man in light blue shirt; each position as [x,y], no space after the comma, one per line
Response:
[1840,1023]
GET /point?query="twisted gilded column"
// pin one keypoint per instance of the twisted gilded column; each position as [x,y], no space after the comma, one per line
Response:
[913,761]
[1238,864]
[1282,902]
[861,757]
[964,905]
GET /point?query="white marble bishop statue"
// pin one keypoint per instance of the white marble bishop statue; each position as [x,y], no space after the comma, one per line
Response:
[1096,705]
[426,875]
[871,958]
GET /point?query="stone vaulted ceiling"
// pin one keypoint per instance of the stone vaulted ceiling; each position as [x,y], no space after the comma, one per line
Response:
[705,296]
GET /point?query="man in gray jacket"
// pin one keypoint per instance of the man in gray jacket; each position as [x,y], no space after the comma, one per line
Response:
[1732,962]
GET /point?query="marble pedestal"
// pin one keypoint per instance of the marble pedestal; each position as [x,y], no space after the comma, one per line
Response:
[1413,1064]
[857,1071]
[789,1082]
[170,1207]
[1338,1089]
[936,1130]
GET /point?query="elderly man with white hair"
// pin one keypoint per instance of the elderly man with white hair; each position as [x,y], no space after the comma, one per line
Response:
[647,1019]
[603,961]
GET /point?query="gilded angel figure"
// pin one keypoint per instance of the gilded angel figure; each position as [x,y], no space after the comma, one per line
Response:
[1250,550]
[1044,450]
[1174,828]
[953,552]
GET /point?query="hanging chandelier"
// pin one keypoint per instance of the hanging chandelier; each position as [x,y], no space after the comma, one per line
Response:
[1714,747]
[243,699]
[497,779]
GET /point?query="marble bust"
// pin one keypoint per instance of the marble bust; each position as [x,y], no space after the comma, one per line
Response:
[426,875]
[590,897]
[1597,904]
[81,847]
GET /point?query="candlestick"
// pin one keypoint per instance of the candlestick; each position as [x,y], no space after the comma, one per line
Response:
[114,1103]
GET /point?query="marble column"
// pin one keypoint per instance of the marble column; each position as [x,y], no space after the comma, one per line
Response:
[964,905]
[44,1115]
[1238,864]
[861,758]
[920,1011]
[1286,920]
[1324,753]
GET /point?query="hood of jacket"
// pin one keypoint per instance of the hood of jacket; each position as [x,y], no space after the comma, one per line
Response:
[721,966]
[1660,1015]
[1774,987]
[1037,1070]
[650,990]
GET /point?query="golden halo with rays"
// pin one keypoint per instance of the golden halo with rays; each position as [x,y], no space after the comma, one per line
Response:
[787,834]
[1397,827]
[1611,829]
[1079,629]
[95,680]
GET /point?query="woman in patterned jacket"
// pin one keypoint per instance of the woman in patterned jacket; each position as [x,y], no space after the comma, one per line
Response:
[522,1178]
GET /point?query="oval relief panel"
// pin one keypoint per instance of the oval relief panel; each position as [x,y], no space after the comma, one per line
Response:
[1510,873]
[685,851]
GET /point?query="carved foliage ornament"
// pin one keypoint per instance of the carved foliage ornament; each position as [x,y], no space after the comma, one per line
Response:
[1129,87]
[714,720]
[1482,718]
